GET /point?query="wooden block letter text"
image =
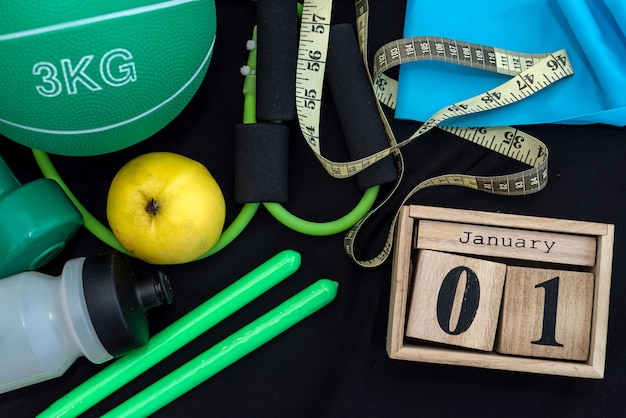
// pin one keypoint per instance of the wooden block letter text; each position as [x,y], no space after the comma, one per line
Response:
[456,300]
[546,313]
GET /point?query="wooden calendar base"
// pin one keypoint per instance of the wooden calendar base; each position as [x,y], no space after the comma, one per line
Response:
[500,291]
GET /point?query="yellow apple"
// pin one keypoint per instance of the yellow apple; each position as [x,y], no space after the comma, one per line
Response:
[165,208]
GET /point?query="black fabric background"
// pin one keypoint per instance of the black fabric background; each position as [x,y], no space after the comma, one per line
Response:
[334,364]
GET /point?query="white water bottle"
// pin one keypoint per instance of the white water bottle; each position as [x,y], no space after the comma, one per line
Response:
[96,308]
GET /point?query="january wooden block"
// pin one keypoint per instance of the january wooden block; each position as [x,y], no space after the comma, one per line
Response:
[407,234]
[456,300]
[546,313]
[522,244]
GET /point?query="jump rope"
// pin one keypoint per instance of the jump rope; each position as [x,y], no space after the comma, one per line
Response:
[249,209]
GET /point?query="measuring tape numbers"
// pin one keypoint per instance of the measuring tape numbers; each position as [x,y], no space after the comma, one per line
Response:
[529,73]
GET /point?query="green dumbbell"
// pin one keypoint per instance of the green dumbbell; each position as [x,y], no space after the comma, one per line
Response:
[36,221]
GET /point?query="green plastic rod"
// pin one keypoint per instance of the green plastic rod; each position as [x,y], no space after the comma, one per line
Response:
[175,336]
[228,351]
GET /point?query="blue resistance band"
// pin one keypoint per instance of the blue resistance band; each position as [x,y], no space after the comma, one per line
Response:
[592,32]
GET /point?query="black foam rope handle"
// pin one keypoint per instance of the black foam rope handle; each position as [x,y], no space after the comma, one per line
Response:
[354,99]
[277,54]
[261,162]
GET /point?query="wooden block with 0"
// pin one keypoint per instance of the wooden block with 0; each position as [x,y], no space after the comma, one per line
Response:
[546,313]
[456,300]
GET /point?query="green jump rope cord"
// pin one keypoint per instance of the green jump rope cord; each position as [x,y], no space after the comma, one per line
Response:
[106,235]
[248,210]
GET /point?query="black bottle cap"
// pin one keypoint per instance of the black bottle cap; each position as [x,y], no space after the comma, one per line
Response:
[118,301]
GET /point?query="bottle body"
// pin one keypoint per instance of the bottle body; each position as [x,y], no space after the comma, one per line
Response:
[44,327]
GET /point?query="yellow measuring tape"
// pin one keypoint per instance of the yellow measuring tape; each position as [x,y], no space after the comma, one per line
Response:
[530,74]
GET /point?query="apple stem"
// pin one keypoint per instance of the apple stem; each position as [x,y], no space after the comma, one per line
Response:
[152,207]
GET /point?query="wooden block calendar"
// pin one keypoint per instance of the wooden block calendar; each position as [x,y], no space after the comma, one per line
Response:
[439,312]
[546,313]
[500,291]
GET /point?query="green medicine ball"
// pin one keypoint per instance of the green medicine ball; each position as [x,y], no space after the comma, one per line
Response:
[90,77]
